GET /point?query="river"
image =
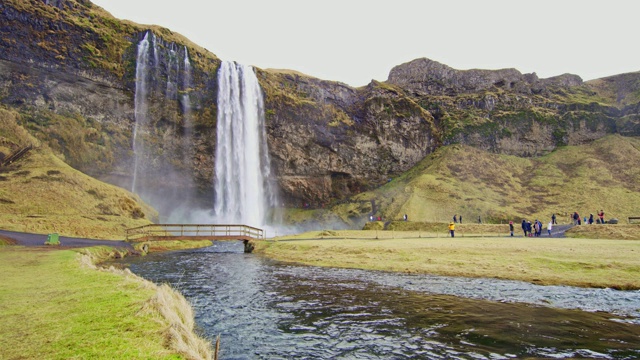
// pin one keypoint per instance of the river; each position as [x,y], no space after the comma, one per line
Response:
[264,309]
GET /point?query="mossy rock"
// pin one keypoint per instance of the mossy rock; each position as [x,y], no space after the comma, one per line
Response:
[374,225]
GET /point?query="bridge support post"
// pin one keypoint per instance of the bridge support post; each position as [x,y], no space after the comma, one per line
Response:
[248,246]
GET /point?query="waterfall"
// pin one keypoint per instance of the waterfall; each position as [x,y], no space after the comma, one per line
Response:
[243,190]
[185,101]
[186,88]
[171,91]
[160,85]
[140,104]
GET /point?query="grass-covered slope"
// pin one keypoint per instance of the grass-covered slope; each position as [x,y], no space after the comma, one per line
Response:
[53,308]
[41,194]
[469,182]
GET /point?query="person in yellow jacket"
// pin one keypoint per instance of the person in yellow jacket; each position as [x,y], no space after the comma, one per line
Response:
[452,228]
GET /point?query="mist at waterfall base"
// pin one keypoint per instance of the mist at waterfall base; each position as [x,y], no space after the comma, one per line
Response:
[245,190]
[244,187]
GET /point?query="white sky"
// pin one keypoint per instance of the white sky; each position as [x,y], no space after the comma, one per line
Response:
[354,41]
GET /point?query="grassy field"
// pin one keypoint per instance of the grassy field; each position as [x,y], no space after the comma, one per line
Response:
[57,305]
[547,261]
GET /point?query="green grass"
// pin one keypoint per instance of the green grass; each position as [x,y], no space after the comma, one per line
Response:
[548,261]
[52,307]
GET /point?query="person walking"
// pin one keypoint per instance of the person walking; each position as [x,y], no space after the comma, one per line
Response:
[511,227]
[553,219]
[452,228]
[455,218]
[550,227]
[524,227]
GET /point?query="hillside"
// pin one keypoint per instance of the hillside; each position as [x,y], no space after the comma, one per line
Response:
[458,179]
[69,69]
[41,194]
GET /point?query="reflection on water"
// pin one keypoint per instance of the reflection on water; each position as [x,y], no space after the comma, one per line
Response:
[268,310]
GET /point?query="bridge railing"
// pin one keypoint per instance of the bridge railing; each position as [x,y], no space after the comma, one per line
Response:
[194,230]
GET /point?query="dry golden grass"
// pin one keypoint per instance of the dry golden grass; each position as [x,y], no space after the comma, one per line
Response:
[566,261]
[160,246]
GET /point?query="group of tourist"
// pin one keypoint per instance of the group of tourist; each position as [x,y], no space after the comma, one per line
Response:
[534,229]
[530,229]
[579,221]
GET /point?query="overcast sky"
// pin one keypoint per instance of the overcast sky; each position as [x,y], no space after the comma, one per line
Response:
[354,41]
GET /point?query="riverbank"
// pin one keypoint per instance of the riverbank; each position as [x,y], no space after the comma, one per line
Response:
[57,304]
[544,261]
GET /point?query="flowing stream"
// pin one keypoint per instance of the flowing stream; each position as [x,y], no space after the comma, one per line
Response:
[264,309]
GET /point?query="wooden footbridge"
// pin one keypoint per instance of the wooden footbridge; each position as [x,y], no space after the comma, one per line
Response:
[158,232]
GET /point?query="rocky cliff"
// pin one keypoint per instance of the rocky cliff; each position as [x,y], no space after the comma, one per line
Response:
[70,69]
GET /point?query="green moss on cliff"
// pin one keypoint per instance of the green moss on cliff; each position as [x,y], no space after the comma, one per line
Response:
[77,140]
[102,40]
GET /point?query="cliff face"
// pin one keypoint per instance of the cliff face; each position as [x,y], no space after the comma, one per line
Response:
[504,111]
[70,69]
[328,140]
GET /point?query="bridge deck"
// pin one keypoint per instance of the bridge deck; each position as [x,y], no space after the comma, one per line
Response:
[194,232]
[201,237]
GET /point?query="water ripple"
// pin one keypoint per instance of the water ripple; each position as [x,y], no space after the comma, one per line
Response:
[268,310]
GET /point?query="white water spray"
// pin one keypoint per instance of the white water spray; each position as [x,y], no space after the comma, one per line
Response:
[243,190]
[186,88]
[140,104]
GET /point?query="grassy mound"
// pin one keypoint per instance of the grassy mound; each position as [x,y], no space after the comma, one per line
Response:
[42,194]
[618,231]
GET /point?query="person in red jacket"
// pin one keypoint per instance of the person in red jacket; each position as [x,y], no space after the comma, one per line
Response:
[601,216]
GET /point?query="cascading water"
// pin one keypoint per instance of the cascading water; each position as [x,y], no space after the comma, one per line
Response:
[140,104]
[243,190]
[163,111]
[186,99]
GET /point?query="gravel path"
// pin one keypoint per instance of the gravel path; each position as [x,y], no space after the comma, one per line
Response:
[26,239]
